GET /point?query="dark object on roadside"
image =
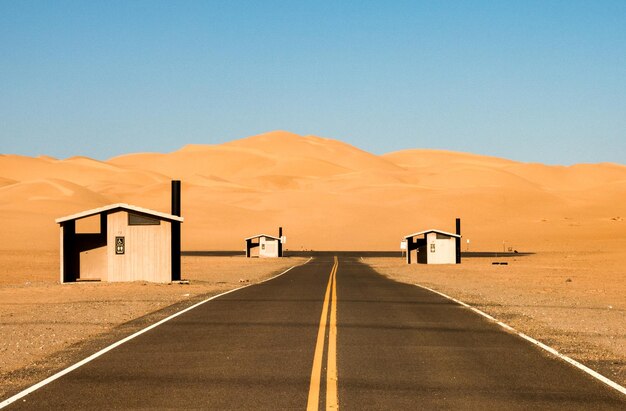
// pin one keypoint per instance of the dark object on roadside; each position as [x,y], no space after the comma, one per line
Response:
[499,263]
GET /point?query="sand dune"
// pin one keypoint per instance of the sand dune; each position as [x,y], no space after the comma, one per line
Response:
[288,146]
[415,158]
[6,181]
[325,193]
[189,161]
[47,190]
[79,170]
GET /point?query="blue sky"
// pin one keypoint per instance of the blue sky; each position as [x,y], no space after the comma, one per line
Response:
[535,81]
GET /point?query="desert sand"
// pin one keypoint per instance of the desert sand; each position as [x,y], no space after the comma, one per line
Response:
[327,195]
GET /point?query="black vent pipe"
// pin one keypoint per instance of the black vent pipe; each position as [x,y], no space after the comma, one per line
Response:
[176,210]
[458,241]
[280,241]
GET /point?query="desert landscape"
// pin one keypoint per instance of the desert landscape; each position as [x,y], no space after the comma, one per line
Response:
[327,195]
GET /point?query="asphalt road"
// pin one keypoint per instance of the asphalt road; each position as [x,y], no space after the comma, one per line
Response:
[397,347]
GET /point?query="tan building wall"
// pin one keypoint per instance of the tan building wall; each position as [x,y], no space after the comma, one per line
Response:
[147,254]
[440,249]
[94,264]
[268,247]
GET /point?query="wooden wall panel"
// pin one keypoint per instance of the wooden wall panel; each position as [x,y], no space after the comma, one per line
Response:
[93,264]
[148,250]
[268,247]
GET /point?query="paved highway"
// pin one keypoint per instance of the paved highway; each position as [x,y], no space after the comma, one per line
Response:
[330,334]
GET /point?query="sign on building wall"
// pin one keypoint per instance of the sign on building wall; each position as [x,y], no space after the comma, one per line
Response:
[120,245]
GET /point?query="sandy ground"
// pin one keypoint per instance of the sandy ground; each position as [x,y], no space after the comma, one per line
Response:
[574,302]
[45,326]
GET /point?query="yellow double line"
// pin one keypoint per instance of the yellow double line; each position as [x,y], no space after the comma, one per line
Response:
[330,301]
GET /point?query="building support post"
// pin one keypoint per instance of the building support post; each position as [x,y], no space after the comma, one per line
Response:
[69,265]
[409,247]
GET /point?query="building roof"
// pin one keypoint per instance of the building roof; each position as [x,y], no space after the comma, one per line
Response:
[114,207]
[262,235]
[432,231]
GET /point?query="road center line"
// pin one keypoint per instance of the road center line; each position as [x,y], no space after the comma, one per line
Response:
[330,301]
[332,400]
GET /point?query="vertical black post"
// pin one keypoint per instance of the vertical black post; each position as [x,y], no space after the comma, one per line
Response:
[71,258]
[248,247]
[409,246]
[176,230]
[458,241]
[280,242]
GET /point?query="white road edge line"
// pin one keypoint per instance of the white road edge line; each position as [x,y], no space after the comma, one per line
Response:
[124,340]
[539,344]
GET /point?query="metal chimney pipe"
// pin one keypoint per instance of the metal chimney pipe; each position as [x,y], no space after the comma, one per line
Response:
[176,237]
[458,241]
[176,198]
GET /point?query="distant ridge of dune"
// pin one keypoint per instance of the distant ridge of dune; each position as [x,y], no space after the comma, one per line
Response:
[425,157]
[325,193]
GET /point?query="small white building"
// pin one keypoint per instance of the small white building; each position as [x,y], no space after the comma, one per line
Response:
[265,246]
[433,247]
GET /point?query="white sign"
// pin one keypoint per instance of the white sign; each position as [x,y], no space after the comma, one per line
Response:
[403,245]
[283,239]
